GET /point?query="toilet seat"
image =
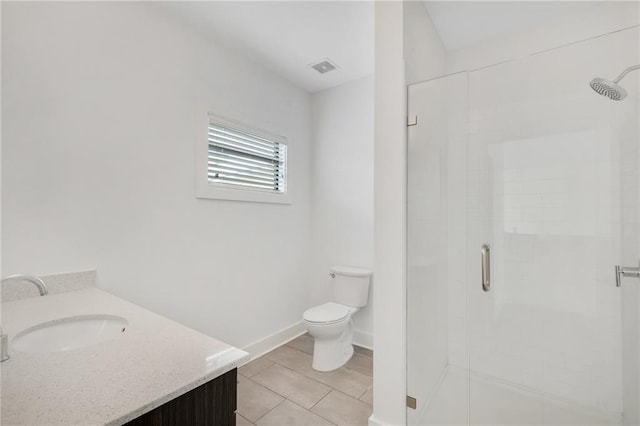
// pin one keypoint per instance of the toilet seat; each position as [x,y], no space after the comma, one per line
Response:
[328,313]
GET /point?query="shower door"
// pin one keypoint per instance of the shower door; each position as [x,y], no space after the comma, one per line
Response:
[524,159]
[553,193]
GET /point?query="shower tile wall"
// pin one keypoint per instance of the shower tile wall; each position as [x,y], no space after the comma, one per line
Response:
[552,183]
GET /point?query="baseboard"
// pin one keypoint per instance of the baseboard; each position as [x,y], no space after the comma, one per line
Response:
[362,339]
[373,421]
[278,338]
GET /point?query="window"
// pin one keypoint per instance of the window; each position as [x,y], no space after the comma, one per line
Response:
[241,163]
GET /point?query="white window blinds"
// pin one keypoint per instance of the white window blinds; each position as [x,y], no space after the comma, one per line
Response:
[237,158]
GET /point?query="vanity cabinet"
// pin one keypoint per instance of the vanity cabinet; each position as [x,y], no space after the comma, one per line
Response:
[211,404]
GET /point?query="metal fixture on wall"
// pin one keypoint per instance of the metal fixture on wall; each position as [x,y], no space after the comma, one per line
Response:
[611,89]
[485,253]
[626,271]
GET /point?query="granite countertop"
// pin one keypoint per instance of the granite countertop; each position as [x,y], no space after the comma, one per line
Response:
[112,382]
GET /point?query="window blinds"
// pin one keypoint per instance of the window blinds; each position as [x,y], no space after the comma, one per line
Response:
[243,160]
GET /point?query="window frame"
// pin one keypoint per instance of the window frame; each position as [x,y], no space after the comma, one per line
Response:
[222,191]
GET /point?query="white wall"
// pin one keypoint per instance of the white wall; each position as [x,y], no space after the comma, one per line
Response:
[389,321]
[99,124]
[425,55]
[342,200]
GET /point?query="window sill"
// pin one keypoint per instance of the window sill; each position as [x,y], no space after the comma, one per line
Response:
[214,192]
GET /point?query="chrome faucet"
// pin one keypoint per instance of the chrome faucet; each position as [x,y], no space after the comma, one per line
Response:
[42,287]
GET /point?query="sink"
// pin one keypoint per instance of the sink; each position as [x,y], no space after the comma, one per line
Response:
[65,334]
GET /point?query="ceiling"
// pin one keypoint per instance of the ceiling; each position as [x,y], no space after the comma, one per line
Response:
[287,37]
[464,23]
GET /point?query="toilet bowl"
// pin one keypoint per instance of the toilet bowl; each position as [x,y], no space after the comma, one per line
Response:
[331,324]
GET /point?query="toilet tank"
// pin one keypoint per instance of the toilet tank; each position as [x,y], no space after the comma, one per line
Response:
[351,285]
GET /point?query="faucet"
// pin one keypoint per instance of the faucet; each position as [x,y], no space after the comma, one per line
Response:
[42,287]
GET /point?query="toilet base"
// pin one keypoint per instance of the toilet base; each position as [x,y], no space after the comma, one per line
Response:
[332,353]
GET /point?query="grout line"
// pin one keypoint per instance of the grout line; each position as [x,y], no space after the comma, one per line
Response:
[270,390]
[303,374]
[309,409]
[361,395]
[323,397]
[250,422]
[274,407]
[267,388]
[257,372]
[347,395]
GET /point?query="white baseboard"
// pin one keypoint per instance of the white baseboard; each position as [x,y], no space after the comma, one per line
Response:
[373,421]
[278,338]
[362,339]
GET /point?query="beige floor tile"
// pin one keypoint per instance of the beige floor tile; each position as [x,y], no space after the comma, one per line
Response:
[241,421]
[368,396]
[290,414]
[343,410]
[361,364]
[254,367]
[292,385]
[347,381]
[303,343]
[254,400]
[291,358]
[363,351]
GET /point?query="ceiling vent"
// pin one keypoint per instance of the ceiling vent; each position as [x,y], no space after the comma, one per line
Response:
[324,66]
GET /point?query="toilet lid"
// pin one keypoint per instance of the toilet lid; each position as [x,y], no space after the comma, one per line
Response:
[329,312]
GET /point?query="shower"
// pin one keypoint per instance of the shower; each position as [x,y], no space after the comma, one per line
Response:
[612,89]
[538,178]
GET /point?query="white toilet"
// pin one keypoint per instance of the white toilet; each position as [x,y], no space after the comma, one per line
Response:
[331,324]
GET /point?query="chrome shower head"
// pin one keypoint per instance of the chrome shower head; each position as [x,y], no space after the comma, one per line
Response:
[611,89]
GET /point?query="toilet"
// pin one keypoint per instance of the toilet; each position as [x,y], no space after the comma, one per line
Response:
[331,324]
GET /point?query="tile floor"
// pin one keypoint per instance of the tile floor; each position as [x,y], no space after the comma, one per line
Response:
[280,388]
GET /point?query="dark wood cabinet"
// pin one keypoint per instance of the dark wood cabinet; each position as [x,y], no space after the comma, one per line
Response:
[211,404]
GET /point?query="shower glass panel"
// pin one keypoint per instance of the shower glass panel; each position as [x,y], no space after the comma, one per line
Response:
[436,238]
[524,157]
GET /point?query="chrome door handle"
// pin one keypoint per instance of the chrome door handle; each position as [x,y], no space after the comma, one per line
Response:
[485,253]
[626,271]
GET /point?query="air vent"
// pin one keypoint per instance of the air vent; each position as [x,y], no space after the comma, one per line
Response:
[324,66]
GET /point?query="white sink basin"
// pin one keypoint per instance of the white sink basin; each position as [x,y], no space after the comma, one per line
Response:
[65,334]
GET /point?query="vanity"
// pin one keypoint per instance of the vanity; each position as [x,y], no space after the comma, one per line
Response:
[87,357]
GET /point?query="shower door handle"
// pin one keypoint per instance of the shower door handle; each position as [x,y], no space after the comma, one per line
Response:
[485,253]
[626,271]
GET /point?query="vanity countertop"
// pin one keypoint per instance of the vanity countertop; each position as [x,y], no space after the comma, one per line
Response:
[154,361]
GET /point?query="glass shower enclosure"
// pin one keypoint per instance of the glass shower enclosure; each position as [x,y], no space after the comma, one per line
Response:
[522,197]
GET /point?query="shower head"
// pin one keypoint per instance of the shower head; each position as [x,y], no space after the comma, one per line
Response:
[611,89]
